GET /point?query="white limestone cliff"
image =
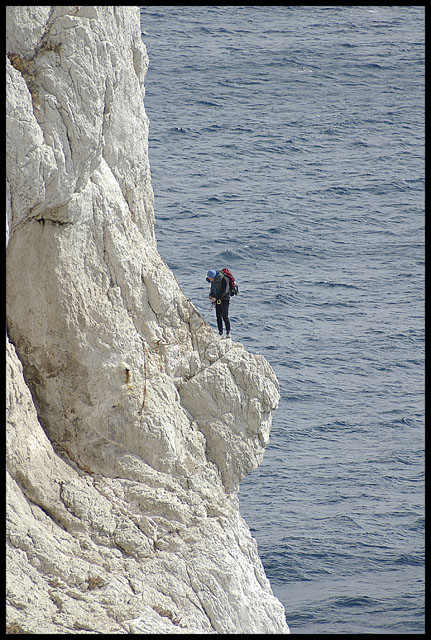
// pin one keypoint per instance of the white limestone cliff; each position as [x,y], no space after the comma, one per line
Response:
[129,422]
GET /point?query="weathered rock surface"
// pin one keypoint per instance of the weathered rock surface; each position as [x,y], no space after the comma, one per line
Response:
[129,423]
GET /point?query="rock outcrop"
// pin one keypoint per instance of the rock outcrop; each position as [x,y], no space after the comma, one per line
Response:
[130,424]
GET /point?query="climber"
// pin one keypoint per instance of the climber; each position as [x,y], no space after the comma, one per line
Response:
[220,296]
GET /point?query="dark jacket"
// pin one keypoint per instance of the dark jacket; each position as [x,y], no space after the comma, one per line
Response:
[220,288]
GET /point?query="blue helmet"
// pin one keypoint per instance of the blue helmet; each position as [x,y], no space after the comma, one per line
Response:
[211,273]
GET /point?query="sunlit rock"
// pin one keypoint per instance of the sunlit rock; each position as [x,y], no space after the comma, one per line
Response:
[129,423]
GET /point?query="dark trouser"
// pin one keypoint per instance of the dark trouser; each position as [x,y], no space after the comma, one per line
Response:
[222,312]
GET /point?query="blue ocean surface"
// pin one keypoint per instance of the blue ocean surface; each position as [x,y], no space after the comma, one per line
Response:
[287,143]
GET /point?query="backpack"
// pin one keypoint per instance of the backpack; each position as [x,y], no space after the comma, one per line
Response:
[233,287]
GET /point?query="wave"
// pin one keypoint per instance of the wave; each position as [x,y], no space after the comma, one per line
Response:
[411,559]
[344,285]
[208,103]
[230,256]
[354,601]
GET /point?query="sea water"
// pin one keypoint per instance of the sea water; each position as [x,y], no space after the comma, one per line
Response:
[287,143]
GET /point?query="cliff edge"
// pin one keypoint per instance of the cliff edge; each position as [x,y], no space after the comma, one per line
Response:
[130,424]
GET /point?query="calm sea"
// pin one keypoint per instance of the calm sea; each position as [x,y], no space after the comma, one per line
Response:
[287,143]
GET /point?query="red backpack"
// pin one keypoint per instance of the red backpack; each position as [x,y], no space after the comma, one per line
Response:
[232,285]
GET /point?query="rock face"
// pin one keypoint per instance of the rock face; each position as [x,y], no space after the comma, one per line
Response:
[129,422]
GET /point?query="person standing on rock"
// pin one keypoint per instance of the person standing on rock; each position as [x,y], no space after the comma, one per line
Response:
[220,296]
